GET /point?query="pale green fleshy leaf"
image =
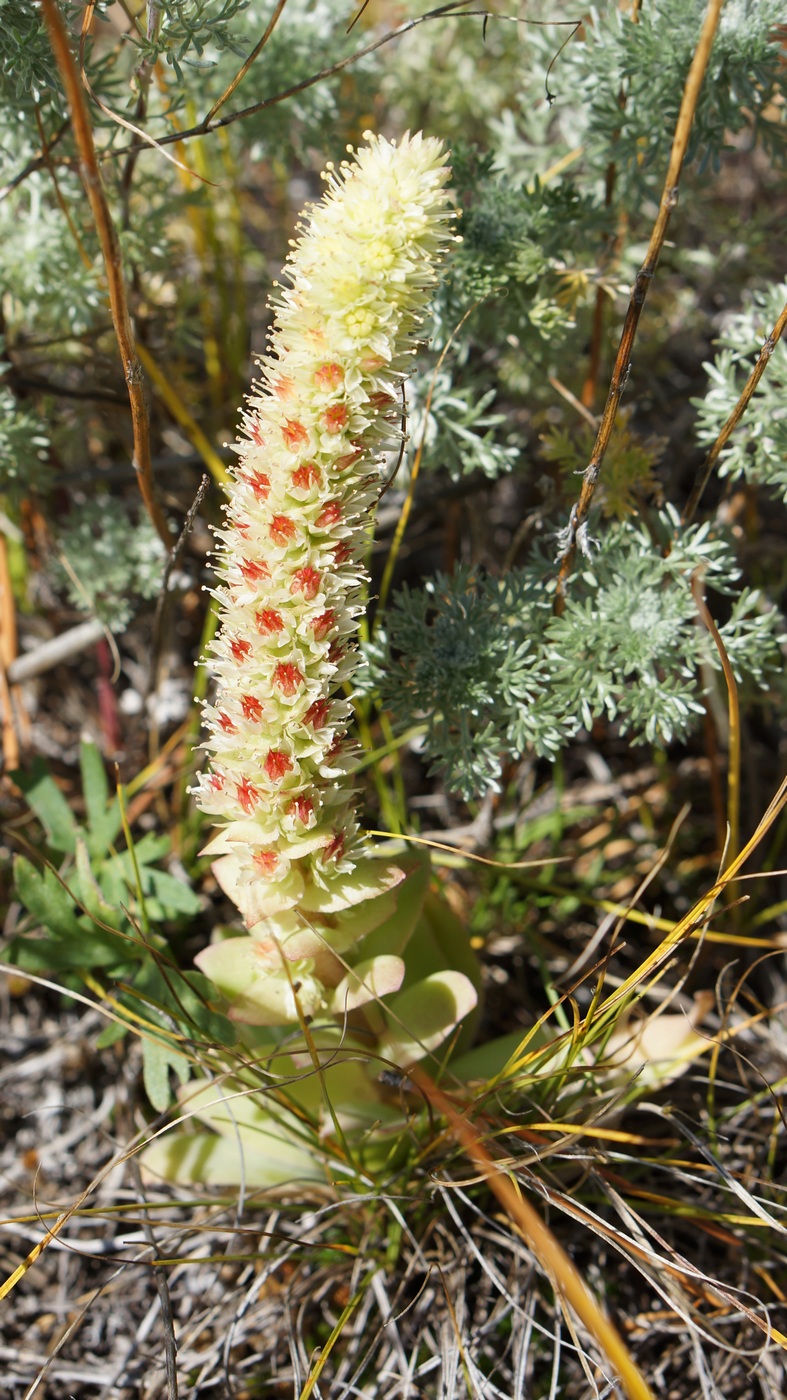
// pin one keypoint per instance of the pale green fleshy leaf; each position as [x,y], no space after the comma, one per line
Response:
[369,879]
[214,1161]
[257,899]
[368,981]
[420,1019]
[259,992]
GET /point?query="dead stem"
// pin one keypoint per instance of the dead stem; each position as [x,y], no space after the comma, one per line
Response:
[576,530]
[110,248]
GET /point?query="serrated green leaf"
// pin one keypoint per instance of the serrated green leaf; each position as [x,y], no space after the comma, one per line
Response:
[175,897]
[49,805]
[157,1060]
[103,817]
[88,890]
[47,900]
[55,955]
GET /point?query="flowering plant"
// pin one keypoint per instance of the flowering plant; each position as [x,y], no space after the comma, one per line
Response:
[291,568]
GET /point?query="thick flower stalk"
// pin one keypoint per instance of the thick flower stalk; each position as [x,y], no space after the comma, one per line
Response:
[291,575]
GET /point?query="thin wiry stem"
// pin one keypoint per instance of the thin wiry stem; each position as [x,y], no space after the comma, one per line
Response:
[734,767]
[704,474]
[454,8]
[253,56]
[576,531]
[110,249]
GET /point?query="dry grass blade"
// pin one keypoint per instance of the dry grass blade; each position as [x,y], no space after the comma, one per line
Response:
[553,1258]
[699,912]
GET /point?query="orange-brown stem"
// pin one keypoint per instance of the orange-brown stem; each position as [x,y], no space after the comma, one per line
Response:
[110,249]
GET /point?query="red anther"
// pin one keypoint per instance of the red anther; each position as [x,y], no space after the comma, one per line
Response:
[317,713]
[255,434]
[226,723]
[268,620]
[259,484]
[342,553]
[266,862]
[242,527]
[335,848]
[288,678]
[240,648]
[306,581]
[294,434]
[306,476]
[277,764]
[217,781]
[323,624]
[302,808]
[381,400]
[254,570]
[328,376]
[335,749]
[335,652]
[281,529]
[248,795]
[251,707]
[330,516]
[336,418]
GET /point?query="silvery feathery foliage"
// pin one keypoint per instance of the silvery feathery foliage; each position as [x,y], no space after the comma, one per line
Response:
[758,448]
[488,670]
[106,563]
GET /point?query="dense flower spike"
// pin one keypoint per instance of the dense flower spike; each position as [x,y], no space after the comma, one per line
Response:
[290,564]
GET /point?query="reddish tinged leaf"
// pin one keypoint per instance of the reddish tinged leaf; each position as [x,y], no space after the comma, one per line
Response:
[306,581]
[277,765]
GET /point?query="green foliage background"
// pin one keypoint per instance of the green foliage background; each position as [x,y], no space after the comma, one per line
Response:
[560,134]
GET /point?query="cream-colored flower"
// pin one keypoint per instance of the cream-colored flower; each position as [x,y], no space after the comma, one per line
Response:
[290,562]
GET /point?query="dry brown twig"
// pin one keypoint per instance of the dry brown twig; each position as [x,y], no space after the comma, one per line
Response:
[575,534]
[110,248]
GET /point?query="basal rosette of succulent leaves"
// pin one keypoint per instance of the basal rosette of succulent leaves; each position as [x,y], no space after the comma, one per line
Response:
[291,576]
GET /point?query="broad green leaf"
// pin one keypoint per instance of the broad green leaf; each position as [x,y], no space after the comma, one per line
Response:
[49,805]
[174,896]
[441,942]
[210,1160]
[111,1034]
[103,817]
[394,933]
[489,1060]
